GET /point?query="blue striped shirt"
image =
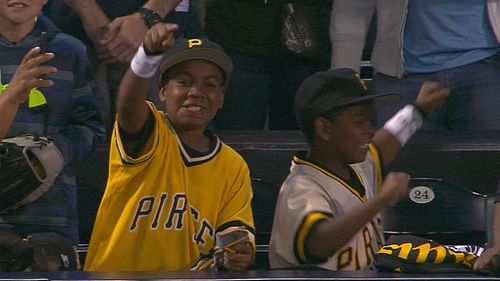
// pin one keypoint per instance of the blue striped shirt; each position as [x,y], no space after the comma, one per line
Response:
[70,117]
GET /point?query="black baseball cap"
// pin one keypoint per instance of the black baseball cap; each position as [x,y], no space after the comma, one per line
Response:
[327,90]
[194,48]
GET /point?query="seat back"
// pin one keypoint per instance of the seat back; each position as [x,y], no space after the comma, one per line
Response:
[439,210]
[263,205]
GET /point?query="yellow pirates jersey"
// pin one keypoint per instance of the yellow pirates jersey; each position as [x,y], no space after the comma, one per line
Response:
[161,210]
[311,194]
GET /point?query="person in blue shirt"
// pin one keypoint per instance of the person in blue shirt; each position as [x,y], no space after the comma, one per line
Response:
[455,43]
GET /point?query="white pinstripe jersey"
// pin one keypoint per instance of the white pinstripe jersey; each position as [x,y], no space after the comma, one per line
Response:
[311,194]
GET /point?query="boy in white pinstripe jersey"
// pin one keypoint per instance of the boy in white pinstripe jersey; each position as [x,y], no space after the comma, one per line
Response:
[327,210]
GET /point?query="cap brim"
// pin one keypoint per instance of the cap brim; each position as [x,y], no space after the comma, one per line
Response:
[215,56]
[378,100]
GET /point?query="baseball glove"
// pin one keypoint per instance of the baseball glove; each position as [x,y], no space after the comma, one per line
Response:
[28,167]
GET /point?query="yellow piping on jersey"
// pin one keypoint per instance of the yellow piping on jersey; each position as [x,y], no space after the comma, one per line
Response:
[339,180]
[303,231]
[378,165]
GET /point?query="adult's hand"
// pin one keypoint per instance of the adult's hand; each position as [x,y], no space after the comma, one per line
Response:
[121,39]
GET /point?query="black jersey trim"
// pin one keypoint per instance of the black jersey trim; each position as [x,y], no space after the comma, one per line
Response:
[192,157]
[125,157]
[134,143]
[235,223]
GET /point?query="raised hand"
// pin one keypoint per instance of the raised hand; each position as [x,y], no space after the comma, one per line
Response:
[159,38]
[395,187]
[28,75]
[431,95]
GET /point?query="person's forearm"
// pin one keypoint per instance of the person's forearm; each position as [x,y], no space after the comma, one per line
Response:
[162,7]
[8,110]
[342,228]
[92,16]
[85,8]
[387,144]
[131,107]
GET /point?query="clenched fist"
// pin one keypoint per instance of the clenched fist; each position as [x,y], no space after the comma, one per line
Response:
[431,95]
[159,38]
[395,187]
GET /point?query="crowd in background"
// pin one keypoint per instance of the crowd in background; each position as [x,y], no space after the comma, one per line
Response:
[441,56]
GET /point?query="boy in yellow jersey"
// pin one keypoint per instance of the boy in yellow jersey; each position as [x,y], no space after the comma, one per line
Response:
[173,186]
[327,211]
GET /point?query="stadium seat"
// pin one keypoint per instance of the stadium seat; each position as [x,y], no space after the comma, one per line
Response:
[440,210]
[263,205]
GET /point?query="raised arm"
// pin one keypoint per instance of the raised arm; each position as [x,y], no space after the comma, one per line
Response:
[132,108]
[404,123]
[26,77]
[328,237]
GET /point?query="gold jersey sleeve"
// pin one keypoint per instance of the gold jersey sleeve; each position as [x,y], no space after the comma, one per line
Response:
[161,210]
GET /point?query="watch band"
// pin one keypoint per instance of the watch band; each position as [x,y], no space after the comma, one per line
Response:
[149,16]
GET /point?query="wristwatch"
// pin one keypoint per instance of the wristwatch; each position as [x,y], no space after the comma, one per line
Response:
[149,16]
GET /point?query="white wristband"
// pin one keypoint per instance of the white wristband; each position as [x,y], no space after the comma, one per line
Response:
[143,65]
[404,123]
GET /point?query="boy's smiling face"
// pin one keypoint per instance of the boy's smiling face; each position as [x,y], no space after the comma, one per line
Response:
[193,93]
[16,12]
[351,130]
